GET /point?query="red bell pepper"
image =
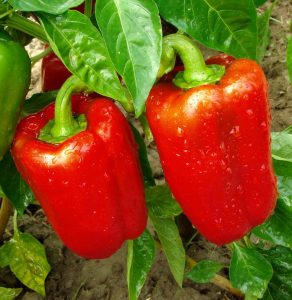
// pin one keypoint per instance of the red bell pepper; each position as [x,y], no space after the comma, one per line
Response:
[214,145]
[90,185]
[53,73]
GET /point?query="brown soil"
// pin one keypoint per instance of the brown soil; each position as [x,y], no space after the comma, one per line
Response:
[76,278]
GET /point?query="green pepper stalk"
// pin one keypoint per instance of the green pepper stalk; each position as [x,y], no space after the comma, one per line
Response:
[196,71]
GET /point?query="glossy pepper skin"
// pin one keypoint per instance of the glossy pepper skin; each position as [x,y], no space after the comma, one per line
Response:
[90,186]
[15,71]
[214,146]
[53,73]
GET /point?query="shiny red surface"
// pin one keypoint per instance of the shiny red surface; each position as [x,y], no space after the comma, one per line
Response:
[90,186]
[53,73]
[220,59]
[214,146]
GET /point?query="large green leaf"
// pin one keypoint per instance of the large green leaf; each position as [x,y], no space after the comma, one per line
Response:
[28,261]
[249,271]
[278,228]
[4,7]
[13,185]
[9,294]
[5,255]
[161,203]
[82,49]
[52,6]
[280,287]
[282,145]
[282,168]
[227,25]
[133,35]
[204,271]
[141,253]
[172,246]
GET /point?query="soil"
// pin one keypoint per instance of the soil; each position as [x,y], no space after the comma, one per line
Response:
[73,278]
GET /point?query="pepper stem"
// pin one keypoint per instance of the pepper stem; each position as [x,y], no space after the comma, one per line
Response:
[65,125]
[25,25]
[88,8]
[196,71]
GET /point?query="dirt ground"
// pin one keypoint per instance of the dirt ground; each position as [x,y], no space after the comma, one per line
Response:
[75,278]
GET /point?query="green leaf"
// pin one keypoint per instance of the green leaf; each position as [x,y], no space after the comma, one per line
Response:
[264,32]
[161,203]
[28,261]
[289,58]
[4,7]
[278,228]
[227,25]
[259,2]
[172,245]
[82,49]
[285,190]
[13,185]
[282,145]
[141,253]
[249,271]
[204,271]
[52,7]
[9,294]
[280,286]
[142,151]
[5,255]
[282,168]
[133,35]
[37,102]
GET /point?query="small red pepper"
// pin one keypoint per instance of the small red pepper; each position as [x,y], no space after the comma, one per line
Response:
[90,186]
[214,145]
[53,73]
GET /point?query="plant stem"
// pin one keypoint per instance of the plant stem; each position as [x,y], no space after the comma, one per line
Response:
[5,212]
[7,13]
[145,127]
[196,72]
[23,24]
[218,280]
[191,56]
[88,8]
[65,125]
[41,55]
[15,227]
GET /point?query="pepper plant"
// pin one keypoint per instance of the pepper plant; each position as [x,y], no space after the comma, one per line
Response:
[75,153]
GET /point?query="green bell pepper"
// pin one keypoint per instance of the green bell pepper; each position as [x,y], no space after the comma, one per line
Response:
[15,73]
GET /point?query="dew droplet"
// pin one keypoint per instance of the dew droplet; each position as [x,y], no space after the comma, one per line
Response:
[235,131]
[249,112]
[180,132]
